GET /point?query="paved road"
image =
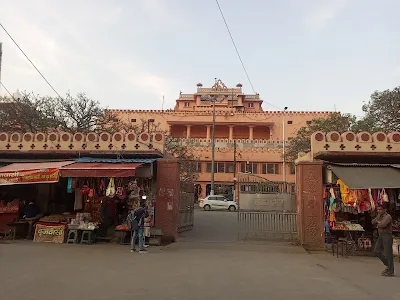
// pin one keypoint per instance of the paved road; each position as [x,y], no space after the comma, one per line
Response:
[206,264]
[212,226]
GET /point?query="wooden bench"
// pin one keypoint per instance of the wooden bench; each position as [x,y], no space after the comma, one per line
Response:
[5,218]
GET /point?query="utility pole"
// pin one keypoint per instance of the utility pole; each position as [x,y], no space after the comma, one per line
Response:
[213,151]
[212,99]
[234,170]
[283,149]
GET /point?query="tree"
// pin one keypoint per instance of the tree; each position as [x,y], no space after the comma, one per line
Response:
[382,111]
[27,113]
[183,151]
[31,113]
[334,122]
[82,114]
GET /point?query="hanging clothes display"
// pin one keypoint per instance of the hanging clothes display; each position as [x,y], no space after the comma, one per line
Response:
[78,204]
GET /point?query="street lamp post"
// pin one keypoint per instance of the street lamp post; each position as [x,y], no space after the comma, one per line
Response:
[212,99]
[284,148]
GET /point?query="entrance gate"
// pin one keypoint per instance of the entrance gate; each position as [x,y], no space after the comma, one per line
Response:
[267,209]
[186,206]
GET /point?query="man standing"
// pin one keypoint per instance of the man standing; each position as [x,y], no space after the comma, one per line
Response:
[384,244]
[135,220]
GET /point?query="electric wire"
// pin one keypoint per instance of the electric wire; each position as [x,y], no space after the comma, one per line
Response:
[238,54]
[22,51]
[12,97]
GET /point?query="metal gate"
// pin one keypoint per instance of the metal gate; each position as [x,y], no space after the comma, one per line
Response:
[267,209]
[186,206]
[267,225]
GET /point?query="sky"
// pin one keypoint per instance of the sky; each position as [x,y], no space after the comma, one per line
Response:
[308,55]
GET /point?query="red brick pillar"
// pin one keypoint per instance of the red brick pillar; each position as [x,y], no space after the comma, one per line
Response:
[167,198]
[310,216]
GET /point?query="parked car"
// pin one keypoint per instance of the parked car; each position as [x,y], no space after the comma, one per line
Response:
[218,202]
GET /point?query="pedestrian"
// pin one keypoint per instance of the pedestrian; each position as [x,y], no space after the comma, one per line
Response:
[384,244]
[135,221]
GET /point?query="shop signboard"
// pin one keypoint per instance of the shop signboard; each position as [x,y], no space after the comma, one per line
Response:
[49,233]
[29,176]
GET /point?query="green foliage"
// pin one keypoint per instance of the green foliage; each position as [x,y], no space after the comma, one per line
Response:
[381,113]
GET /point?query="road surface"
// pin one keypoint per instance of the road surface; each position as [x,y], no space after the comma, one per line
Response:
[206,264]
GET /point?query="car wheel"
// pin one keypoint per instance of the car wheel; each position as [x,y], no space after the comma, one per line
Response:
[207,207]
[232,208]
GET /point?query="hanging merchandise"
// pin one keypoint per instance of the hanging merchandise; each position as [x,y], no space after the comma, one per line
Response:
[332,205]
[131,185]
[69,185]
[91,193]
[111,188]
[379,198]
[398,199]
[121,192]
[78,204]
[73,185]
[102,187]
[85,189]
[344,191]
[371,199]
[384,196]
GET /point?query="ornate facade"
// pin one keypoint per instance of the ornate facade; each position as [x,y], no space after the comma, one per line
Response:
[240,117]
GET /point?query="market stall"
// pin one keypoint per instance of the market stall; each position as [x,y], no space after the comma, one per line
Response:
[106,191]
[22,184]
[351,195]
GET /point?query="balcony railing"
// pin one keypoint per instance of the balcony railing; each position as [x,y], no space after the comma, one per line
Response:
[226,143]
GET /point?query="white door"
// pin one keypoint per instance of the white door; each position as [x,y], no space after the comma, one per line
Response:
[222,202]
[212,200]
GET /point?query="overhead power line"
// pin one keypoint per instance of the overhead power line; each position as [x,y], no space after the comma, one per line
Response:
[1,84]
[238,54]
[234,45]
[22,51]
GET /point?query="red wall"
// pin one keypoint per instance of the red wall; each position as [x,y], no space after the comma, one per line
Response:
[167,198]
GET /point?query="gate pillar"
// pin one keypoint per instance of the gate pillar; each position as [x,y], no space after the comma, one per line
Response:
[167,198]
[309,194]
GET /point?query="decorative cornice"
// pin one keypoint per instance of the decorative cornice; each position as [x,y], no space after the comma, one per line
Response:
[79,142]
[260,113]
[366,142]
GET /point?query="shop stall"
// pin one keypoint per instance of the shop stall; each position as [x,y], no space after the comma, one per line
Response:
[351,195]
[106,190]
[22,184]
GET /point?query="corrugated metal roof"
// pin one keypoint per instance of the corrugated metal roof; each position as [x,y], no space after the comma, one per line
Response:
[364,177]
[116,160]
[356,165]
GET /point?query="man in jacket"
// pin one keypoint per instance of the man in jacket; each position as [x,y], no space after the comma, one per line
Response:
[384,244]
[136,221]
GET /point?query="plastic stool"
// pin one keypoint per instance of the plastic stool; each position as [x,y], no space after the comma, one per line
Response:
[72,236]
[87,237]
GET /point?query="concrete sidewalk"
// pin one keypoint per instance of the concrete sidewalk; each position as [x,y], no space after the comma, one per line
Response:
[31,271]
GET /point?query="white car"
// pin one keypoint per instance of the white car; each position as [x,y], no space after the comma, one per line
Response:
[218,202]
